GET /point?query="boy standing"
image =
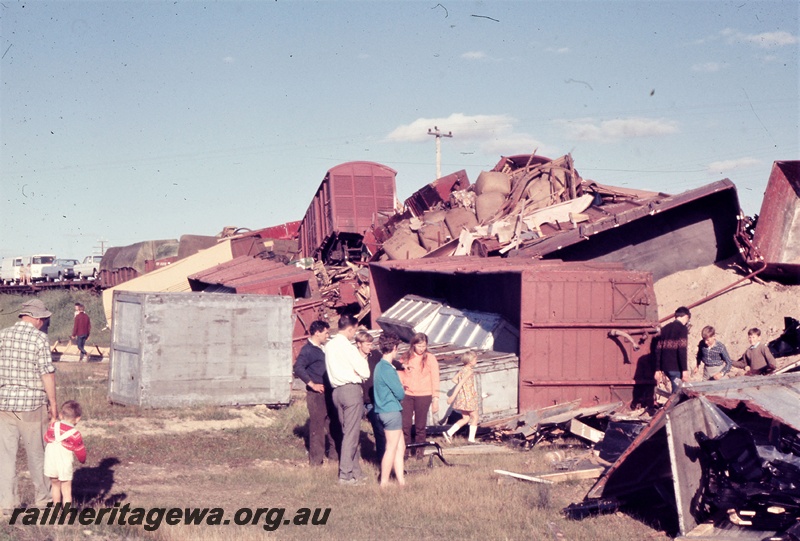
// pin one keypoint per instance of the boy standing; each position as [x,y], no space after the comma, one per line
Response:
[81,329]
[757,359]
[713,355]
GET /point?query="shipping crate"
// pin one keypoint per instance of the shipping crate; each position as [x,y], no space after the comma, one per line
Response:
[186,349]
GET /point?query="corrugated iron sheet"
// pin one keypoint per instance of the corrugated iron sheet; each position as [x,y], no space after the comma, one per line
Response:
[777,397]
[444,324]
[252,275]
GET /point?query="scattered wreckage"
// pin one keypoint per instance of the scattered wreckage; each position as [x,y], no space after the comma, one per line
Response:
[720,460]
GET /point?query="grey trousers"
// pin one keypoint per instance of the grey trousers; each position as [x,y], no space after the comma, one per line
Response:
[349,402]
[30,427]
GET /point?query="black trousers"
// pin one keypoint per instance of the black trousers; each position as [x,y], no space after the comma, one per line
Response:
[416,407]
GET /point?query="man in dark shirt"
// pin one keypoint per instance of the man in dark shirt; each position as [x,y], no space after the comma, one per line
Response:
[81,329]
[310,368]
[671,350]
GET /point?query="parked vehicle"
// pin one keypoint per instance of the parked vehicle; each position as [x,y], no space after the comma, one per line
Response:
[9,270]
[37,263]
[61,269]
[89,267]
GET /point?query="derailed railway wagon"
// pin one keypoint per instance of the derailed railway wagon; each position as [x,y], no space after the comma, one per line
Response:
[585,329]
[348,202]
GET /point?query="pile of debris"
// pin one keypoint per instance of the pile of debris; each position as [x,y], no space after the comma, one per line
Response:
[503,208]
[720,460]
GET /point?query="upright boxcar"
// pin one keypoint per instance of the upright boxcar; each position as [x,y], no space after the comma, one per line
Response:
[346,205]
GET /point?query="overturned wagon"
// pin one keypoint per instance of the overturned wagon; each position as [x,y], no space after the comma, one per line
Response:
[584,328]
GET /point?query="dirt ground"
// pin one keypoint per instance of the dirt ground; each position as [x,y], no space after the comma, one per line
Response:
[749,304]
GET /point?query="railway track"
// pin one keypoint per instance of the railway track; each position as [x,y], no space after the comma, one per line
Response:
[19,289]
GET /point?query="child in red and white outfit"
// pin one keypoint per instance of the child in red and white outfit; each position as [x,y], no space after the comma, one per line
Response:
[63,442]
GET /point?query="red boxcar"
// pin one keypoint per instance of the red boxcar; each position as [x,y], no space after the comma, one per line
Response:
[346,204]
[565,312]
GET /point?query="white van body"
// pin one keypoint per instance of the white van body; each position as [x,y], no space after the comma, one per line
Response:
[37,263]
[9,270]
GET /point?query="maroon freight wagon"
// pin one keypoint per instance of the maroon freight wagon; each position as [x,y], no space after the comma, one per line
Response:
[348,202]
[776,242]
[585,328]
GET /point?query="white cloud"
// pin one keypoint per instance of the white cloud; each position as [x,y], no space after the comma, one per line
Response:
[589,129]
[765,40]
[229,60]
[475,55]
[493,134]
[516,143]
[729,165]
[768,40]
[707,67]
[558,50]
[474,127]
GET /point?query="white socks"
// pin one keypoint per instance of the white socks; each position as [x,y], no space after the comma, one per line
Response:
[473,429]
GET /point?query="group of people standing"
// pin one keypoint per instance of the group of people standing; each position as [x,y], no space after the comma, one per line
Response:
[672,353]
[346,381]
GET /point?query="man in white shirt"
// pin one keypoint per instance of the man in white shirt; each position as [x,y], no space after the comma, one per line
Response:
[347,368]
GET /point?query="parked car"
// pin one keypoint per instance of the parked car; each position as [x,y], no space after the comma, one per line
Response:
[9,270]
[61,269]
[89,268]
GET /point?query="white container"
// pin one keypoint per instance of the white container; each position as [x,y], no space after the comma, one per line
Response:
[186,349]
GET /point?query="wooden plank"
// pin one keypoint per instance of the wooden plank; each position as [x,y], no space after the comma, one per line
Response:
[575,475]
[479,449]
[523,477]
[585,431]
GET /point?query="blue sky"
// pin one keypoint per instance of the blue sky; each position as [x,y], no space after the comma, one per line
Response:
[128,121]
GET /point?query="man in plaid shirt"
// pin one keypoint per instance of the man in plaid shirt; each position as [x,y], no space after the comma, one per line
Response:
[27,391]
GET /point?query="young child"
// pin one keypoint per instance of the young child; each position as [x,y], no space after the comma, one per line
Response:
[758,358]
[465,398]
[713,355]
[63,442]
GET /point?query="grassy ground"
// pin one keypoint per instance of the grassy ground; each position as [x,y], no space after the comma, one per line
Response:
[62,304]
[266,467]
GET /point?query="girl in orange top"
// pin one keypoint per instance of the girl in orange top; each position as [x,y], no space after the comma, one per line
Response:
[420,379]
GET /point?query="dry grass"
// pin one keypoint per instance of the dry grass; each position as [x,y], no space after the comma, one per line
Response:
[267,467]
[62,304]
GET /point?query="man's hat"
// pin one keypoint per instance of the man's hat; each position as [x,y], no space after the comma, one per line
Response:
[34,308]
